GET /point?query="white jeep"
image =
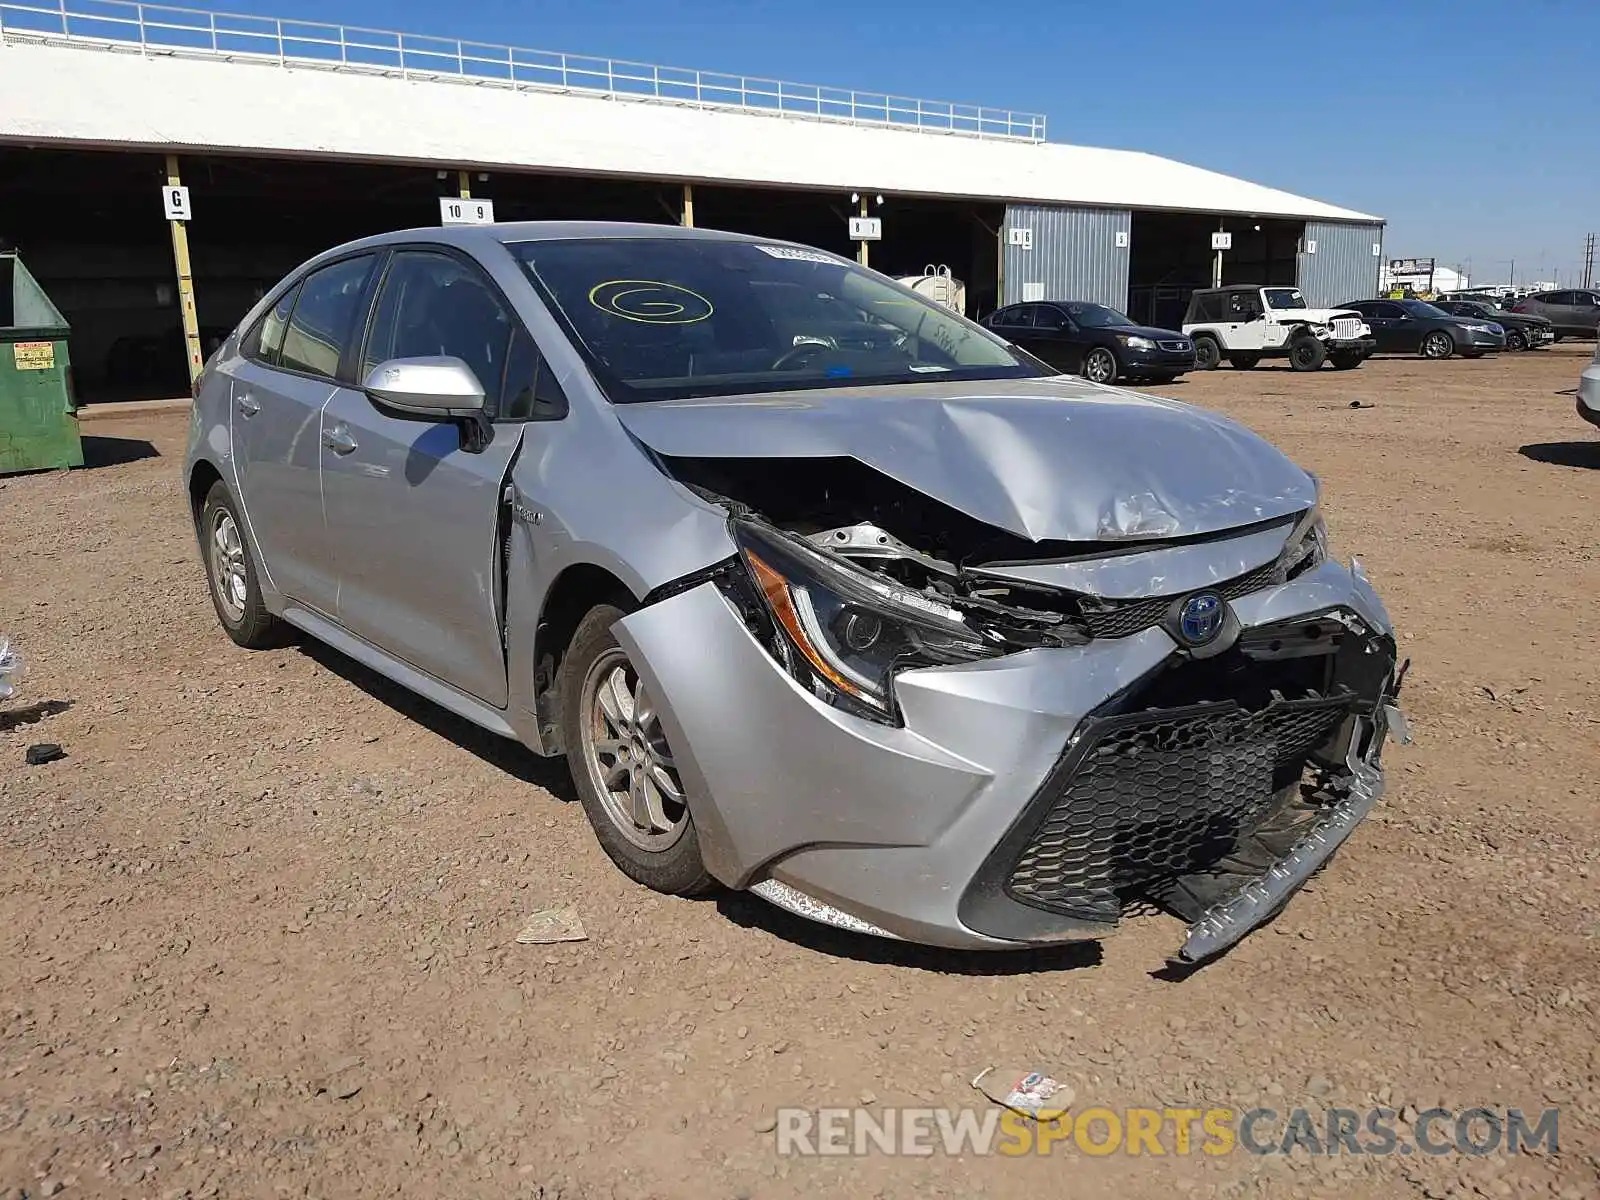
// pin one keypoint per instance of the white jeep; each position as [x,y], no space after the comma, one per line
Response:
[1245,324]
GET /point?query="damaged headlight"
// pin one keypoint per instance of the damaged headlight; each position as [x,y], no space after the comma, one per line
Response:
[1307,547]
[843,632]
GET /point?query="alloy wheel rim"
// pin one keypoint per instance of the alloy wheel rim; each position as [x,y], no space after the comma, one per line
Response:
[227,565]
[1100,369]
[627,756]
[1436,345]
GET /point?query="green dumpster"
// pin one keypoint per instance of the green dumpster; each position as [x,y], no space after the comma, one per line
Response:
[38,416]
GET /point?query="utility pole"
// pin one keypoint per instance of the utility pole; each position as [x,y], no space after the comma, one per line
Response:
[1588,261]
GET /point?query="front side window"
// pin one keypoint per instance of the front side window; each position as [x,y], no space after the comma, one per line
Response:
[665,318]
[1421,308]
[435,305]
[324,317]
[1282,298]
[1096,316]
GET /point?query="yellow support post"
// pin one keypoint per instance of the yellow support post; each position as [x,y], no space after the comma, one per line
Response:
[180,259]
[687,221]
[462,183]
[861,247]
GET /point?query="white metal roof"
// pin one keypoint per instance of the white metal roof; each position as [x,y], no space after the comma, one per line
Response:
[138,97]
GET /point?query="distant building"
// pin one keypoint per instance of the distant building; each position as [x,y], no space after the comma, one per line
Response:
[1421,276]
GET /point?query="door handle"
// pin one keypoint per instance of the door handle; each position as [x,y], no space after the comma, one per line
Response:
[339,440]
[249,406]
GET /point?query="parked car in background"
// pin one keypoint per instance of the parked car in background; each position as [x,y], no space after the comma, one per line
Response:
[1572,313]
[1097,342]
[1247,323]
[887,624]
[1589,390]
[1524,331]
[1417,327]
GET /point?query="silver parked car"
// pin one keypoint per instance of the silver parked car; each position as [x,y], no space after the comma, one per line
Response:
[824,591]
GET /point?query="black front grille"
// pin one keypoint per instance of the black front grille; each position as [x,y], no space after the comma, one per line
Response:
[1176,346]
[1123,618]
[1151,795]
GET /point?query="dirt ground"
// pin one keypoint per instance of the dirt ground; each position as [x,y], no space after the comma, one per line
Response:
[257,928]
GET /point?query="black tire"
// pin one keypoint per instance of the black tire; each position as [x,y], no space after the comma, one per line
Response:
[236,595]
[1100,365]
[1345,360]
[1207,354]
[1516,340]
[1243,360]
[1306,353]
[1438,345]
[678,868]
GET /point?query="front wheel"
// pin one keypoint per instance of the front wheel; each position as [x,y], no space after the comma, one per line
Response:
[1515,340]
[1100,366]
[622,765]
[1207,354]
[1306,353]
[1345,360]
[1438,344]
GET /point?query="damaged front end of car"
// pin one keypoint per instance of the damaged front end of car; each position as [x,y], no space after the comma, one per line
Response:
[895,717]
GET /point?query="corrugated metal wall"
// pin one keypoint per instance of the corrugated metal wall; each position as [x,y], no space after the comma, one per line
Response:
[1344,266]
[1075,256]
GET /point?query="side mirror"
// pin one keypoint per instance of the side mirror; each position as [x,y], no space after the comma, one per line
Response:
[442,388]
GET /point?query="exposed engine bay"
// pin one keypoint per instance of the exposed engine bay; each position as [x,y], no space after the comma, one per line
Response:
[847,509]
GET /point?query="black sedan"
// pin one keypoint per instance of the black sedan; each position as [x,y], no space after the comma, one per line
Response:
[1524,331]
[1417,327]
[1095,341]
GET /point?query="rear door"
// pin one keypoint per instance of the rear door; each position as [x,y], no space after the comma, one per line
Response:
[1585,313]
[1559,308]
[286,373]
[414,517]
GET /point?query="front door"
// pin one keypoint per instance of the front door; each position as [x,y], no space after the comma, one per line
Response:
[286,371]
[1058,339]
[1388,322]
[414,516]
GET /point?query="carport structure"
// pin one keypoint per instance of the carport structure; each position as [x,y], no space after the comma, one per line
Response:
[292,136]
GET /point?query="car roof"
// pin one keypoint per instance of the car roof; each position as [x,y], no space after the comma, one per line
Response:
[510,233]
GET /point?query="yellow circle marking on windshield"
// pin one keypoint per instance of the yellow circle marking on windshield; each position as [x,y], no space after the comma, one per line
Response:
[650,302]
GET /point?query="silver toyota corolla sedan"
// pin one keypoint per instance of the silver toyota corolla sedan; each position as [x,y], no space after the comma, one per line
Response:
[824,591]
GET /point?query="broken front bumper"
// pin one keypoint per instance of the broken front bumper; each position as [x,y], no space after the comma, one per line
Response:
[938,831]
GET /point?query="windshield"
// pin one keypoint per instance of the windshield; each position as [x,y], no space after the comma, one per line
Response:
[1281,298]
[1421,308]
[666,318]
[1096,316]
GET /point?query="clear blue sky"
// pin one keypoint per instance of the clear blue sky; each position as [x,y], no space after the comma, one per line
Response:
[1472,125]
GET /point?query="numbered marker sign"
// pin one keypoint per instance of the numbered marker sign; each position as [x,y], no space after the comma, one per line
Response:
[176,202]
[453,211]
[866,229]
[1222,241]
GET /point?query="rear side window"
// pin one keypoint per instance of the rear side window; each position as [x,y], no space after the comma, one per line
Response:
[324,318]
[1555,298]
[265,338]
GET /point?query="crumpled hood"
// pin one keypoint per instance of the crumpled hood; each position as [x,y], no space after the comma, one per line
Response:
[1047,459]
